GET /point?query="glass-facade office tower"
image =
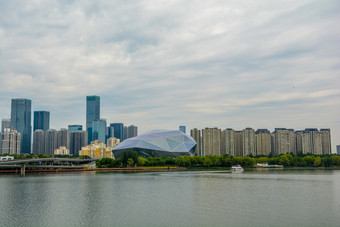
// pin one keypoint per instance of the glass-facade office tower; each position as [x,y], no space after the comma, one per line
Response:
[5,123]
[99,130]
[183,129]
[117,130]
[21,121]
[132,131]
[92,113]
[73,128]
[41,120]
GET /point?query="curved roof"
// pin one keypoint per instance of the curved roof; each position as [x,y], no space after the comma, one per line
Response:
[160,140]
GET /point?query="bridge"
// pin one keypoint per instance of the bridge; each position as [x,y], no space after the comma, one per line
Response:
[46,163]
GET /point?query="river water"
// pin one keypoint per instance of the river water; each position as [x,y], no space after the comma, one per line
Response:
[176,198]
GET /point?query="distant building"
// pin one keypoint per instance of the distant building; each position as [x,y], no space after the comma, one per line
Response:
[41,120]
[62,151]
[63,139]
[338,149]
[99,130]
[38,142]
[125,132]
[21,121]
[78,139]
[284,141]
[298,135]
[51,141]
[311,141]
[5,123]
[196,135]
[263,144]
[248,139]
[73,128]
[10,142]
[92,113]
[97,149]
[112,142]
[211,141]
[117,130]
[239,143]
[228,141]
[183,129]
[326,141]
[132,131]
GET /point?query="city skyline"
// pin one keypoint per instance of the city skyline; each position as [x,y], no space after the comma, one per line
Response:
[217,64]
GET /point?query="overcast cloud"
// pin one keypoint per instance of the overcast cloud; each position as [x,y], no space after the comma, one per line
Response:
[161,64]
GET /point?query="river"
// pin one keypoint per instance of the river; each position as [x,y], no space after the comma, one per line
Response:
[175,198]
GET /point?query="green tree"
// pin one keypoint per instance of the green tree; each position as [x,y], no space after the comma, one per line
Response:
[141,161]
[130,162]
[317,162]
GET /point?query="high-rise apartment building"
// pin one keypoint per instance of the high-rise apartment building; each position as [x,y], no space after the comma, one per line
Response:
[338,149]
[21,121]
[196,135]
[5,123]
[73,128]
[183,129]
[41,120]
[38,142]
[326,141]
[92,113]
[10,141]
[263,144]
[63,139]
[132,131]
[248,139]
[99,130]
[228,141]
[298,135]
[311,141]
[78,139]
[117,130]
[211,141]
[238,143]
[51,141]
[284,141]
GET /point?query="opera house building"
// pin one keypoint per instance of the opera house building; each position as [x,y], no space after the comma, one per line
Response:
[172,143]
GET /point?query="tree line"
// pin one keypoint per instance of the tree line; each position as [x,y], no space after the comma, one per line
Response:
[131,159]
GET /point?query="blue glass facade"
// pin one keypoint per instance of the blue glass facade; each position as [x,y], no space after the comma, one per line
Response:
[99,130]
[21,120]
[41,120]
[182,128]
[92,113]
[158,143]
[117,130]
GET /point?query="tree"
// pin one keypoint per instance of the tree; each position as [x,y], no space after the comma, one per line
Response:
[141,161]
[317,162]
[130,162]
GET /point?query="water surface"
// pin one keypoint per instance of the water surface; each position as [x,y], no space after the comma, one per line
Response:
[176,198]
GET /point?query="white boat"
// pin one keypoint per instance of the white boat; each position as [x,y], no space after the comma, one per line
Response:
[237,169]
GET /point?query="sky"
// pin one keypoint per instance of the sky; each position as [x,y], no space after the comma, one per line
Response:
[161,64]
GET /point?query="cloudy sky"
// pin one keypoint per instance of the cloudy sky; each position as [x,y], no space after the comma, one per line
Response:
[161,64]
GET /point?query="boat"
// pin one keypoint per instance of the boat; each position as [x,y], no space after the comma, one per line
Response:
[237,169]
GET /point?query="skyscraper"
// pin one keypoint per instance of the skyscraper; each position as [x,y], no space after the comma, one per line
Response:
[183,129]
[92,113]
[132,131]
[248,139]
[125,132]
[41,120]
[211,141]
[116,130]
[99,130]
[63,138]
[5,123]
[228,142]
[38,142]
[21,121]
[51,141]
[196,135]
[326,141]
[72,128]
[263,143]
[78,139]
[284,141]
[239,143]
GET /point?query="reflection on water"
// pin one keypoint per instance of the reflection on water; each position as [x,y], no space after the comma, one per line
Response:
[188,198]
